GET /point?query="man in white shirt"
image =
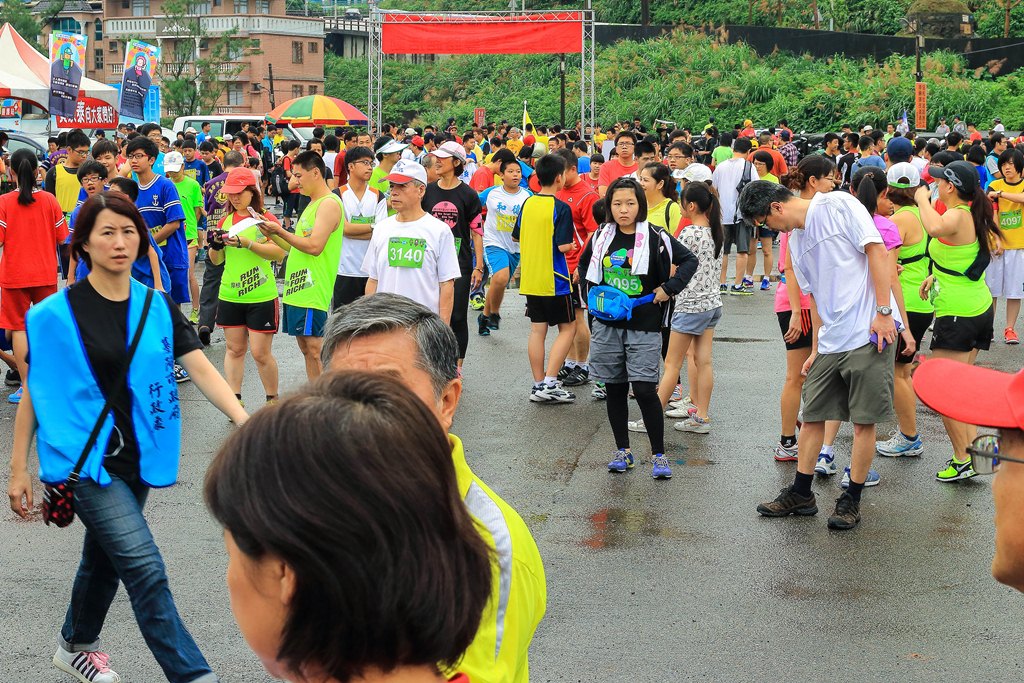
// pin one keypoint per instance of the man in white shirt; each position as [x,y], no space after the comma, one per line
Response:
[840,260]
[365,207]
[412,253]
[728,179]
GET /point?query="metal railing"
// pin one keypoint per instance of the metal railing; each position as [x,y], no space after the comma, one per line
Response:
[160,26]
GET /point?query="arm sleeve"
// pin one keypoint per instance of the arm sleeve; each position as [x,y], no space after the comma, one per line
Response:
[381,211]
[564,227]
[473,211]
[370,260]
[60,226]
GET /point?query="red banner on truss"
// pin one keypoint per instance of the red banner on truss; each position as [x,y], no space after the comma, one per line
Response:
[435,34]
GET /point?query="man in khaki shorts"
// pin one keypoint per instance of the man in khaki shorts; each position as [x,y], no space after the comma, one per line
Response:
[850,370]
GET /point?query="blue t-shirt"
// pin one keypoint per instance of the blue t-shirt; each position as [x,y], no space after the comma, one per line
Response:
[198,171]
[159,204]
[201,138]
[583,165]
[873,160]
[524,182]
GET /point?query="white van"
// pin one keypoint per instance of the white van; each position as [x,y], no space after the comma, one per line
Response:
[231,124]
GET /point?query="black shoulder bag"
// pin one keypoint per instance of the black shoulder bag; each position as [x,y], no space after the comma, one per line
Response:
[59,500]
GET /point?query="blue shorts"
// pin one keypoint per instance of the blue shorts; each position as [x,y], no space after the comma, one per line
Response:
[179,290]
[303,322]
[498,259]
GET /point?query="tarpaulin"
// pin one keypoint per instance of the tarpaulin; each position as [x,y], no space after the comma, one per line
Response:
[448,34]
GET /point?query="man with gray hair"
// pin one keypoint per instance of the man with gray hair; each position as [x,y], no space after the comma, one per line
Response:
[850,370]
[412,253]
[383,333]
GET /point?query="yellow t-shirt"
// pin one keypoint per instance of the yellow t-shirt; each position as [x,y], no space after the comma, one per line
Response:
[514,146]
[498,653]
[1010,214]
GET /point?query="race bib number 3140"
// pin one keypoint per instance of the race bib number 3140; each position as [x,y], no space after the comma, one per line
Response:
[406,252]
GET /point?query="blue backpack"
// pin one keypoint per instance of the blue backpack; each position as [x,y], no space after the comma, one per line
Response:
[609,304]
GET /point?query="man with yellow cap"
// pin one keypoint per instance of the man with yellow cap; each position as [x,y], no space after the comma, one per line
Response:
[748,130]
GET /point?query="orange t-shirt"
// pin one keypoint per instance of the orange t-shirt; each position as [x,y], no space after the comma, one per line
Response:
[30,235]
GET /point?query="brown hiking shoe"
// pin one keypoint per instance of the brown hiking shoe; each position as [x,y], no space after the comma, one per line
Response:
[847,514]
[789,503]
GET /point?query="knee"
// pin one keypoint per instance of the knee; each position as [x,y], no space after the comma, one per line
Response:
[644,390]
[236,350]
[863,430]
[262,356]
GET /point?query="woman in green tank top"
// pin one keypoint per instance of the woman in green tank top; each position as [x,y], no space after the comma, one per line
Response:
[959,251]
[248,306]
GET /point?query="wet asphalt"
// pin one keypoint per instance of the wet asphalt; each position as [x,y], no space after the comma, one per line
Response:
[647,580]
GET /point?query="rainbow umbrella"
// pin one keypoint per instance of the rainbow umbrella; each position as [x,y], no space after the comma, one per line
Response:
[316,110]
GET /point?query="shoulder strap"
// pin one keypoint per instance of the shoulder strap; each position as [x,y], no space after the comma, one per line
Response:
[115,389]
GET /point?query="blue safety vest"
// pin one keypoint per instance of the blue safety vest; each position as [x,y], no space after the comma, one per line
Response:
[67,400]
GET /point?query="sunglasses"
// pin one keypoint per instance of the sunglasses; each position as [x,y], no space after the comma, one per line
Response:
[984,452]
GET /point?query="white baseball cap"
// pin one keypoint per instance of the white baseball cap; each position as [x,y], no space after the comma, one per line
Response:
[190,130]
[694,173]
[410,131]
[407,171]
[903,175]
[451,149]
[392,147]
[173,161]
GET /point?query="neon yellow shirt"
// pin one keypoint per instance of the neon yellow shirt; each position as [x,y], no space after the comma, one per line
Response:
[498,653]
[309,280]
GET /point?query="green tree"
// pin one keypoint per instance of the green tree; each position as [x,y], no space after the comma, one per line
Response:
[193,83]
[17,14]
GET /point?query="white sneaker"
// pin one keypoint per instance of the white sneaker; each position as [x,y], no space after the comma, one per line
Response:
[694,425]
[680,412]
[636,426]
[87,667]
[684,402]
[552,393]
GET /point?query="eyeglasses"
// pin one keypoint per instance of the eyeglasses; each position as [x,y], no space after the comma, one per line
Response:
[138,157]
[81,152]
[984,452]
[91,179]
[625,144]
[676,157]
[365,162]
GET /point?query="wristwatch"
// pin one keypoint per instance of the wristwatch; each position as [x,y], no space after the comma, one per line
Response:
[883,310]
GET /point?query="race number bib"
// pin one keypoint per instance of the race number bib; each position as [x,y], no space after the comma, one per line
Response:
[623,280]
[458,244]
[506,222]
[1010,220]
[406,252]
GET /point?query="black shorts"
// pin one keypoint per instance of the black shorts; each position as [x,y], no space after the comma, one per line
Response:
[766,233]
[963,333]
[347,289]
[291,204]
[579,295]
[918,324]
[804,340]
[259,317]
[553,310]
[739,234]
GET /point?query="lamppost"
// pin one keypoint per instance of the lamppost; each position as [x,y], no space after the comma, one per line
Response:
[920,88]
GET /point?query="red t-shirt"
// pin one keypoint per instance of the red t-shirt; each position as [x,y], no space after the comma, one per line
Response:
[482,179]
[30,235]
[612,170]
[779,167]
[581,199]
[585,177]
[287,165]
[340,169]
[975,136]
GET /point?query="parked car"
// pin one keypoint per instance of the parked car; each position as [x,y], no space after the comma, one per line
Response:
[230,124]
[17,140]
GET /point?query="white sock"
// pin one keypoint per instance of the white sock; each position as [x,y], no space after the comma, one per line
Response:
[585,366]
[550,381]
[826,450]
[538,385]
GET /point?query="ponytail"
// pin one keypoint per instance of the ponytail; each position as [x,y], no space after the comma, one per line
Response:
[814,166]
[868,184]
[985,226]
[706,199]
[24,164]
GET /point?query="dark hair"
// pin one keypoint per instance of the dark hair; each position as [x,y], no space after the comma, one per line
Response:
[660,173]
[548,168]
[350,135]
[314,141]
[683,148]
[89,167]
[1012,155]
[704,196]
[503,155]
[581,146]
[625,184]
[189,143]
[147,128]
[206,146]
[994,139]
[389,572]
[597,158]
[598,210]
[104,146]
[853,138]
[644,147]
[953,139]
[829,137]
[866,143]
[568,157]
[931,148]
[120,204]
[24,164]
[331,143]
[77,138]
[625,134]
[309,160]
[757,197]
[812,166]
[976,155]
[142,144]
[126,186]
[868,192]
[318,133]
[766,158]
[742,145]
[505,163]
[357,154]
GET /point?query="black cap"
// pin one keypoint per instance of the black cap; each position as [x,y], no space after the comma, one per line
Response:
[961,174]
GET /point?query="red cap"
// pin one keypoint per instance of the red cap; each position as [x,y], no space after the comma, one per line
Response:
[417,140]
[967,393]
[238,179]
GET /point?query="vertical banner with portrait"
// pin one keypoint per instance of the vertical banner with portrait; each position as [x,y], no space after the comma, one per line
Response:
[67,62]
[140,65]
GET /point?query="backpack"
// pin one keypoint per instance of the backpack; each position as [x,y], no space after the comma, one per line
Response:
[278,181]
[609,304]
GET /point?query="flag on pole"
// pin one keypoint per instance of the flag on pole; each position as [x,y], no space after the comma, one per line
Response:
[526,118]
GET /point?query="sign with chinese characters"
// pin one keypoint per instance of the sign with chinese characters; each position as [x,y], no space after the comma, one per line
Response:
[921,106]
[90,112]
[67,60]
[10,109]
[479,114]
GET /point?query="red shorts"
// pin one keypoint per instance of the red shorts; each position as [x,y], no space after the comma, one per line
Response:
[15,302]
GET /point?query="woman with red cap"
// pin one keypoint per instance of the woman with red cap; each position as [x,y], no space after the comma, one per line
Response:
[248,309]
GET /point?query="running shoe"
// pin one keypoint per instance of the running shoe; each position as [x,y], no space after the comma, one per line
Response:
[193,317]
[15,397]
[766,284]
[87,667]
[677,394]
[846,515]
[872,480]
[694,425]
[737,290]
[494,321]
[785,454]
[681,412]
[554,393]
[636,426]
[483,324]
[789,502]
[684,402]
[899,446]
[12,378]
[622,461]
[748,281]
[180,375]
[1010,337]
[564,372]
[955,471]
[578,377]
[477,302]
[204,335]
[723,288]
[660,468]
[826,465]
[599,393]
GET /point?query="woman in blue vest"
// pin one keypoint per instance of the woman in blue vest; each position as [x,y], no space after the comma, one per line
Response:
[78,339]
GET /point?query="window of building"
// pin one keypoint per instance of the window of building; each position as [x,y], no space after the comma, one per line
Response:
[297,91]
[98,58]
[67,24]
[201,7]
[262,6]
[313,89]
[99,29]
[235,94]
[313,48]
[125,4]
[235,53]
[241,6]
[140,8]
[296,52]
[216,3]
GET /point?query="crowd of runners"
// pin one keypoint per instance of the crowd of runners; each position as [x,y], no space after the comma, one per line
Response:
[372,249]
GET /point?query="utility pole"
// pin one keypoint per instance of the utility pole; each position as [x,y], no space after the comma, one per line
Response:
[561,71]
[645,12]
[273,102]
